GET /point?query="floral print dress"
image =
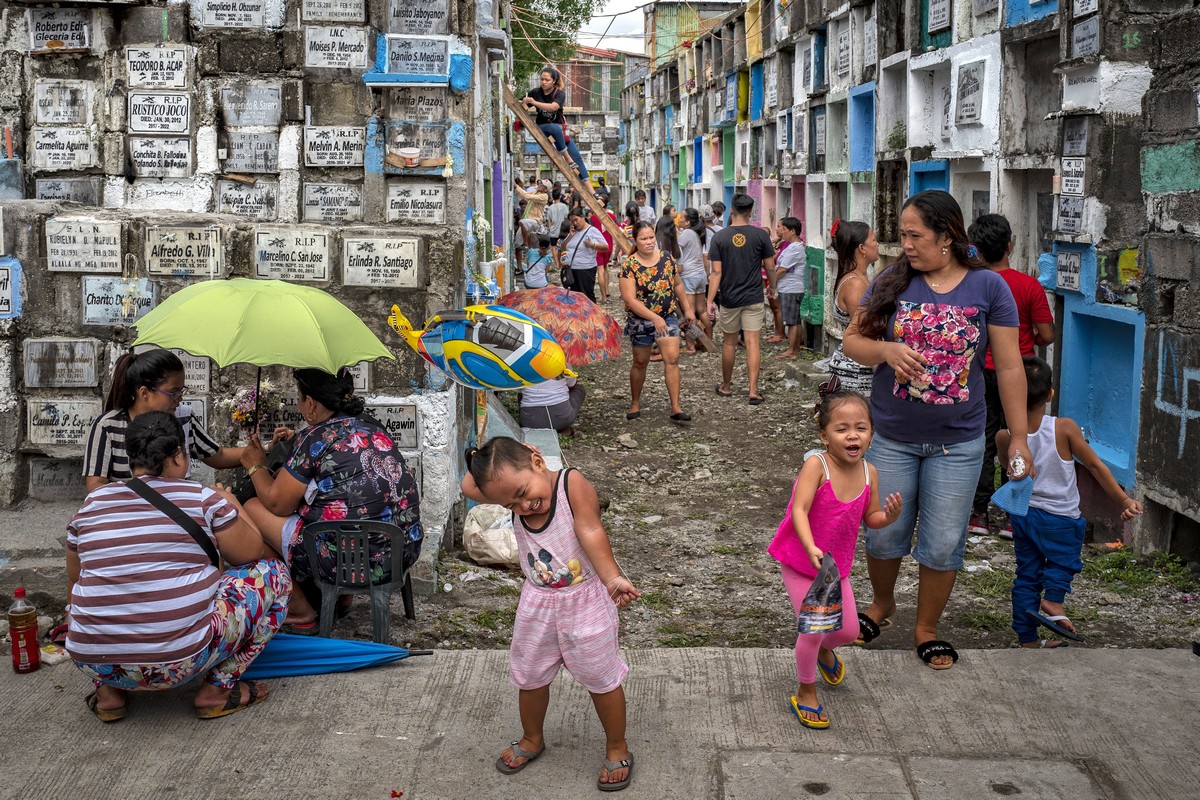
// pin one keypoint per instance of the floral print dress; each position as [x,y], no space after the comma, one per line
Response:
[654,286]
[354,470]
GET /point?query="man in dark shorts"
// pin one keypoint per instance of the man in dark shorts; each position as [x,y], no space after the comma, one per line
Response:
[738,255]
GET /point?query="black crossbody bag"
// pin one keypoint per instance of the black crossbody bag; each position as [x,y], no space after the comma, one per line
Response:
[177,515]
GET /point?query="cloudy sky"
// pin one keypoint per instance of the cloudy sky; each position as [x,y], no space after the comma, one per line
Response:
[624,32]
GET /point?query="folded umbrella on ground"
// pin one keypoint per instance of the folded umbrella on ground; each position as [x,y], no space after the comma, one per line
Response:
[286,655]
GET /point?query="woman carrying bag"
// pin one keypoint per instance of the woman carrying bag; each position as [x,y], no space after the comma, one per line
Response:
[579,254]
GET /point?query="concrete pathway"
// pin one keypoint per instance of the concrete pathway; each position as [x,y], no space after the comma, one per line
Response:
[704,723]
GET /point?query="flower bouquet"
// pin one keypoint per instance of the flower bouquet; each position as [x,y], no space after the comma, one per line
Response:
[239,408]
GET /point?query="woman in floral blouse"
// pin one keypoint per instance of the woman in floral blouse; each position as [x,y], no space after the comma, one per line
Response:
[343,466]
[652,288]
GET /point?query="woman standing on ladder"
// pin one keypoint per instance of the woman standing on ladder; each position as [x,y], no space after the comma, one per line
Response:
[547,101]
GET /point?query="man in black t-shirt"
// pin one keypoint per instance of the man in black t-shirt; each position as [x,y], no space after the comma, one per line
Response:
[738,254]
[547,103]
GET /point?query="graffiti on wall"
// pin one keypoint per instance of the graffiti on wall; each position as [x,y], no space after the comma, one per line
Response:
[1173,391]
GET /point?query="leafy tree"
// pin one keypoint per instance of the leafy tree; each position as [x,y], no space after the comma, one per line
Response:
[544,30]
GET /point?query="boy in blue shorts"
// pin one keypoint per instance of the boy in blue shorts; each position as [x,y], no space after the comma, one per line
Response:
[1048,540]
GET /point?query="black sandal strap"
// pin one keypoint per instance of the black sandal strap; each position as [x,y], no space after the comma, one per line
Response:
[868,628]
[927,651]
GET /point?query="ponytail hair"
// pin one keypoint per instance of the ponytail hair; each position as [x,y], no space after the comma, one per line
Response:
[555,76]
[696,224]
[133,370]
[152,438]
[499,453]
[668,240]
[941,214]
[335,392]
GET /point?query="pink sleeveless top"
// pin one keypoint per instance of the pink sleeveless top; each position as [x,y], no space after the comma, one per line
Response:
[551,555]
[834,527]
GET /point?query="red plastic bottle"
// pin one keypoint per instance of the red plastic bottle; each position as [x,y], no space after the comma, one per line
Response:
[22,629]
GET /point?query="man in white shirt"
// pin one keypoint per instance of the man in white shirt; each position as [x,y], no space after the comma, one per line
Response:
[645,210]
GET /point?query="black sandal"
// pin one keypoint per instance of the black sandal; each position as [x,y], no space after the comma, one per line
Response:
[928,651]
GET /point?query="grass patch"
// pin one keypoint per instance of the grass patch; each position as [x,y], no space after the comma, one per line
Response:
[655,601]
[724,550]
[674,634]
[750,638]
[983,620]
[993,583]
[496,618]
[508,591]
[1122,571]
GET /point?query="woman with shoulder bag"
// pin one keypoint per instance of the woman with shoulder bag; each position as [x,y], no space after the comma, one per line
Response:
[579,253]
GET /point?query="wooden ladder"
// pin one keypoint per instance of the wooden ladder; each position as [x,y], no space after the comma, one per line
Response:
[586,193]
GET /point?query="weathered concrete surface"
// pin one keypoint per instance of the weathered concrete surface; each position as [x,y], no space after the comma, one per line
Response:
[703,723]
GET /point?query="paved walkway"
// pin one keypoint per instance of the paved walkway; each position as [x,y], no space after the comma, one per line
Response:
[704,723]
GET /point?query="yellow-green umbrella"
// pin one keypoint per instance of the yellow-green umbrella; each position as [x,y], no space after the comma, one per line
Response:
[261,322]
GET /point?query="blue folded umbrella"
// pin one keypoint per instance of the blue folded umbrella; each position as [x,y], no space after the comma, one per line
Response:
[286,655]
[1014,496]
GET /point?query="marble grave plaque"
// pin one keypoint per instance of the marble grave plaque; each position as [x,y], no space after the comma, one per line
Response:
[254,202]
[56,479]
[1067,270]
[252,105]
[335,47]
[333,202]
[251,151]
[64,148]
[428,16]
[63,102]
[390,262]
[184,250]
[1070,214]
[197,373]
[60,363]
[400,422]
[329,146]
[60,421]
[157,66]
[1074,173]
[57,30]
[418,55]
[293,253]
[233,13]
[161,157]
[418,103]
[417,203]
[160,112]
[428,137]
[85,191]
[83,245]
[117,301]
[333,10]
[1085,38]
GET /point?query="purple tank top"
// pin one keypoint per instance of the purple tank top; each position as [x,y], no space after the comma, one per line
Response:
[834,527]
[551,555]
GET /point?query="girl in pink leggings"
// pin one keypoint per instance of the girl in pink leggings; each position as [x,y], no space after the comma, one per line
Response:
[819,521]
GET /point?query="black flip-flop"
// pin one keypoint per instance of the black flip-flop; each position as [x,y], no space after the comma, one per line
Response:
[682,418]
[723,394]
[928,651]
[632,414]
[757,400]
[1051,622]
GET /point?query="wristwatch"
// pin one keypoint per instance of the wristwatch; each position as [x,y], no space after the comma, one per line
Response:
[253,469]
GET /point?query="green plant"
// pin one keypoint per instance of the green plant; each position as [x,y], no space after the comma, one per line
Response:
[724,550]
[675,635]
[982,619]
[993,583]
[655,601]
[898,137]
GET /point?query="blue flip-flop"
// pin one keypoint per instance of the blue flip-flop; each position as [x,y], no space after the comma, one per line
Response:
[835,674]
[808,723]
[1051,622]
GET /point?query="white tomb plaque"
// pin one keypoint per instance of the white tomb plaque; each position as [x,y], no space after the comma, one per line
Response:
[56,479]
[772,81]
[197,374]
[254,202]
[970,93]
[1070,214]
[418,103]
[60,421]
[843,49]
[1084,7]
[428,137]
[428,16]
[334,146]
[55,30]
[291,253]
[335,47]
[332,202]
[819,131]
[871,38]
[333,10]
[64,148]
[251,151]
[1068,270]
[400,422]
[63,102]
[1074,171]
[360,372]
[232,13]
[1075,136]
[939,15]
[252,105]
[160,112]
[418,203]
[155,67]
[418,55]
[117,301]
[1085,38]
[379,262]
[85,191]
[10,273]
[184,251]
[62,363]
[161,157]
[83,245]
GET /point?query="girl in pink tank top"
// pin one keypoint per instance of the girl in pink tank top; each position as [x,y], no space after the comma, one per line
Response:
[819,521]
[567,616]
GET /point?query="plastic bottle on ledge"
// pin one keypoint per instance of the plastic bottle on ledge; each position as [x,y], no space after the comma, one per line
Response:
[23,629]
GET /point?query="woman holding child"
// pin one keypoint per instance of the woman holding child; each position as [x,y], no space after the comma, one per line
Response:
[925,325]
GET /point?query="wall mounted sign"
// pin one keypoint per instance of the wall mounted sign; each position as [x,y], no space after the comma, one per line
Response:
[427,16]
[379,262]
[400,422]
[85,191]
[970,93]
[1070,214]
[939,16]
[11,276]
[1068,269]
[418,55]
[64,148]
[251,151]
[252,104]
[329,146]
[291,253]
[1085,7]
[160,157]
[61,363]
[418,103]
[63,102]
[58,30]
[1075,136]
[232,13]
[332,202]
[1074,171]
[337,47]
[59,421]
[254,202]
[160,112]
[184,251]
[56,479]
[83,245]
[417,203]
[197,373]
[428,137]
[157,67]
[360,372]
[333,10]
[117,301]
[1085,38]
[843,49]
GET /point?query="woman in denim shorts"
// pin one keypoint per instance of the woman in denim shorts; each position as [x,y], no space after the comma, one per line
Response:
[927,322]
[652,289]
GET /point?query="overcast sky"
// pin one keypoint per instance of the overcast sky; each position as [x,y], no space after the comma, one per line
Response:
[625,31]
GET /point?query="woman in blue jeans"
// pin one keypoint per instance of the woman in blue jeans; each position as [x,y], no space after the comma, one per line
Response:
[927,322]
[547,101]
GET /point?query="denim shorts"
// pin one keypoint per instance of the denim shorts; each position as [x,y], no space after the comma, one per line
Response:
[641,332]
[937,484]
